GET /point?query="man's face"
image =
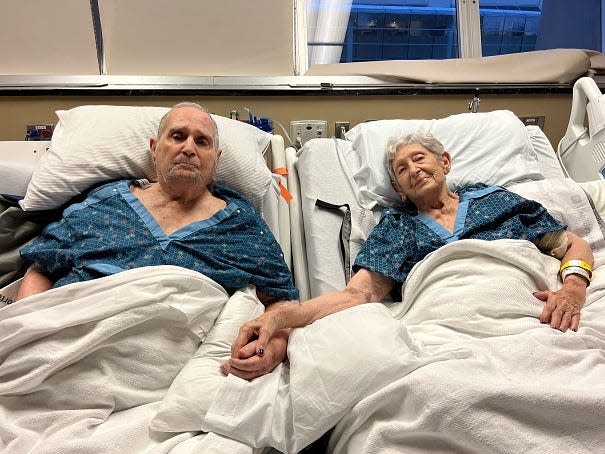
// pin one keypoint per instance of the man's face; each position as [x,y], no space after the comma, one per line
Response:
[185,152]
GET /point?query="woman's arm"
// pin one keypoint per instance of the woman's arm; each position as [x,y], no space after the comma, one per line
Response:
[562,308]
[365,287]
[34,281]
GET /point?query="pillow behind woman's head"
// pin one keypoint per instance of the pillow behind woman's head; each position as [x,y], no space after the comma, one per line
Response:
[491,147]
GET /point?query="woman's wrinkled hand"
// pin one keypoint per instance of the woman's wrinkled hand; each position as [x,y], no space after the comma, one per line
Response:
[562,308]
[247,364]
[260,329]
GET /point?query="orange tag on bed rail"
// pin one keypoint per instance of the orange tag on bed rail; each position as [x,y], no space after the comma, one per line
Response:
[284,192]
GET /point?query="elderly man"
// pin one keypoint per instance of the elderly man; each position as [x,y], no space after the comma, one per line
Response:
[183,219]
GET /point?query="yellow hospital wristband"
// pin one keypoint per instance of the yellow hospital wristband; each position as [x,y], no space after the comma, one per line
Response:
[577,263]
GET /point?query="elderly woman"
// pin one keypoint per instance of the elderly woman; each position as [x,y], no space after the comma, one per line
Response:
[431,216]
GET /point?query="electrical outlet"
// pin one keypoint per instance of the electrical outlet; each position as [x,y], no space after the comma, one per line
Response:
[340,128]
[302,131]
[537,120]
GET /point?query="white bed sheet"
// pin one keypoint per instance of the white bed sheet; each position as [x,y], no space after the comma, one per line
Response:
[461,365]
[83,367]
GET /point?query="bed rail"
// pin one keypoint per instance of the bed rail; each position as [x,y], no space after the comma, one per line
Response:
[581,152]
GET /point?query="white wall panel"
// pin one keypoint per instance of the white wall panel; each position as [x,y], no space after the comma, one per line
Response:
[197,37]
[47,37]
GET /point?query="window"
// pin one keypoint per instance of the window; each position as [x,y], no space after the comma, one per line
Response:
[367,30]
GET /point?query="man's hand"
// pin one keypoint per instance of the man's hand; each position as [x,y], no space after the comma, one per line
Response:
[562,308]
[247,364]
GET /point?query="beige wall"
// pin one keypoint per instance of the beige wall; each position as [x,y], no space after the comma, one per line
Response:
[18,111]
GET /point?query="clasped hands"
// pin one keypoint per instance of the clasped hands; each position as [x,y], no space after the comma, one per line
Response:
[259,347]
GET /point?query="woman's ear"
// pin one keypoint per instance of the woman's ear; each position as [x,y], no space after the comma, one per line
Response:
[398,190]
[446,160]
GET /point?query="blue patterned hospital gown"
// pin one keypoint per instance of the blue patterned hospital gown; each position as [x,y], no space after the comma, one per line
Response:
[112,231]
[403,237]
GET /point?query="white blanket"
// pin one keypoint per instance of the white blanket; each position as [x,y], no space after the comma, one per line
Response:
[463,366]
[83,368]
[525,388]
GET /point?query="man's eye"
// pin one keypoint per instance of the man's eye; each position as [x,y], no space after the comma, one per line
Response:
[202,142]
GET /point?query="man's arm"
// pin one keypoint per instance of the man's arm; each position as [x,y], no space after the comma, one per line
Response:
[34,281]
[252,365]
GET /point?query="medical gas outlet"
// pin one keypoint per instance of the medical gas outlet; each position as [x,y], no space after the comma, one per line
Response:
[301,131]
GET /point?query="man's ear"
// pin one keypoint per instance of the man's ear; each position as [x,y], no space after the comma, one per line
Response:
[218,158]
[152,144]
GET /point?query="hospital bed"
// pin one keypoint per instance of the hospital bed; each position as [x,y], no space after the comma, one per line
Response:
[93,379]
[462,364]
[500,381]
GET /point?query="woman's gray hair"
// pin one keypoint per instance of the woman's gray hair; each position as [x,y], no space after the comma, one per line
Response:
[181,105]
[425,139]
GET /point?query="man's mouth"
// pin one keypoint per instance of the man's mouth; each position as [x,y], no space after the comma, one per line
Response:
[185,164]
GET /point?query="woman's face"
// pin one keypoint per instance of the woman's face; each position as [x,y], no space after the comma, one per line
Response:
[420,174]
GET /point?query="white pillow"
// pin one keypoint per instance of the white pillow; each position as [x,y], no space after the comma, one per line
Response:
[92,144]
[14,177]
[491,147]
[189,397]
[566,201]
[547,157]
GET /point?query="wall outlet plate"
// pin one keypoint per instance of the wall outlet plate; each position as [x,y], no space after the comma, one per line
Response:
[302,131]
[340,128]
[537,120]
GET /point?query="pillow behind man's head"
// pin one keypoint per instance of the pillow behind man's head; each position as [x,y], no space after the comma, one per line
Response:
[92,144]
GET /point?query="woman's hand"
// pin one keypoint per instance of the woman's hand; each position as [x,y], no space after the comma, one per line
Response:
[562,308]
[261,330]
[247,364]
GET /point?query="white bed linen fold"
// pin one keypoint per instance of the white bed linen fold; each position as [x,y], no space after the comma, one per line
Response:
[83,367]
[461,365]
[525,388]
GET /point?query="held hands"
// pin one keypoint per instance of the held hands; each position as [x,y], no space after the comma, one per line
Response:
[259,347]
[562,308]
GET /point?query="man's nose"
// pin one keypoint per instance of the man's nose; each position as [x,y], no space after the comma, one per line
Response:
[189,146]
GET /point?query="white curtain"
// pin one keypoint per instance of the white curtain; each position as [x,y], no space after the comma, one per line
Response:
[327,22]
